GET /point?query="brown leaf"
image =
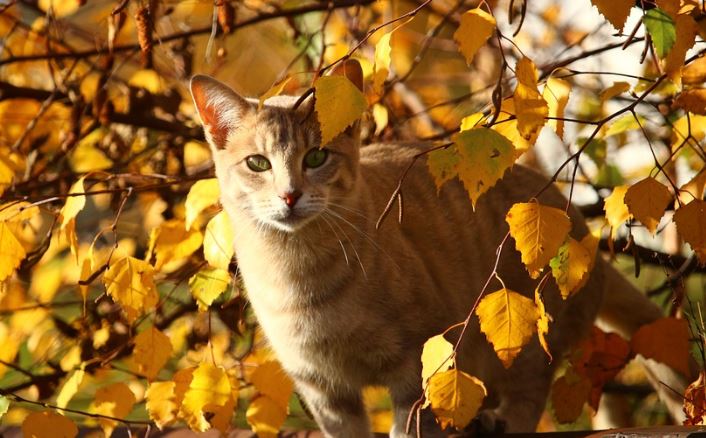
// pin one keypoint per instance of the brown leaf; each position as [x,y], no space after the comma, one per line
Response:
[665,340]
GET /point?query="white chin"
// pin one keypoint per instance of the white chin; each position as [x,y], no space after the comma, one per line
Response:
[290,224]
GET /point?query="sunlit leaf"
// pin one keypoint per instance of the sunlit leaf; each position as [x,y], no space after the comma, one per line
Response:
[455,397]
[532,109]
[172,242]
[152,351]
[616,89]
[479,157]
[508,319]
[148,79]
[265,416]
[203,194]
[207,285]
[470,122]
[115,400]
[209,388]
[686,30]
[542,322]
[339,103]
[275,90]
[539,231]
[218,247]
[691,225]
[70,387]
[382,63]
[12,252]
[130,282]
[270,379]
[624,123]
[647,200]
[160,403]
[437,357]
[570,265]
[556,94]
[475,28]
[60,8]
[662,29]
[693,100]
[4,405]
[616,211]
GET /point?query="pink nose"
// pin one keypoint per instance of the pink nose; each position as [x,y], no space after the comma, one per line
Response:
[291,198]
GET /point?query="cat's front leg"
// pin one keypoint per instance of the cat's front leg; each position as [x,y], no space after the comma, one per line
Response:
[340,413]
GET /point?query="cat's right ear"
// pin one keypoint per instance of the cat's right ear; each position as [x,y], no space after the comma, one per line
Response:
[219,107]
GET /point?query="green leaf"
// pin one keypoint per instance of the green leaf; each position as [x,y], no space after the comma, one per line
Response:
[4,405]
[661,28]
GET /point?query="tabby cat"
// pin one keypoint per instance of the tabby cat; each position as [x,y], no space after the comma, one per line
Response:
[345,305]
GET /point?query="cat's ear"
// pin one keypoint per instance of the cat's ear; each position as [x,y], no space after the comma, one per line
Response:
[219,107]
[351,69]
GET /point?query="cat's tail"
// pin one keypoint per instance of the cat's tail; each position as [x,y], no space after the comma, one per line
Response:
[624,310]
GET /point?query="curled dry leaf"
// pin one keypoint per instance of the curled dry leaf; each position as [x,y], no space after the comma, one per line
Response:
[695,401]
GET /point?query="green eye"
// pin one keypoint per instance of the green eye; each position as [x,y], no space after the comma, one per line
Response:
[315,158]
[258,163]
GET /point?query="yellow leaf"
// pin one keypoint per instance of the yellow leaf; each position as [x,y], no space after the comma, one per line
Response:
[615,11]
[160,403]
[614,90]
[207,285]
[693,100]
[209,388]
[508,320]
[265,416]
[473,31]
[455,397]
[172,242]
[60,8]
[695,72]
[17,212]
[148,79]
[115,400]
[647,200]
[130,282]
[627,122]
[203,194]
[569,393]
[569,267]
[338,104]
[686,29]
[70,387]
[10,340]
[275,90]
[665,340]
[381,118]
[86,157]
[689,125]
[479,157]
[470,122]
[531,108]
[506,125]
[691,224]
[48,424]
[71,359]
[382,63]
[223,415]
[152,351]
[218,247]
[73,205]
[12,252]
[694,189]
[538,231]
[556,94]
[616,212]
[437,357]
[542,322]
[7,173]
[269,379]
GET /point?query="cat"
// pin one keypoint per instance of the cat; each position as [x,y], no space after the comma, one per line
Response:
[344,304]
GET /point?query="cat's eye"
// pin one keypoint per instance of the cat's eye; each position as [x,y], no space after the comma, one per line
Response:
[258,163]
[315,158]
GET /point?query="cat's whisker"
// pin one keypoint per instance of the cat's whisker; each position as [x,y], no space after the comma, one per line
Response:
[355,251]
[340,242]
[350,210]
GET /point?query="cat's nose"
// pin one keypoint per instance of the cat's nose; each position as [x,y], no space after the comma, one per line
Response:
[291,198]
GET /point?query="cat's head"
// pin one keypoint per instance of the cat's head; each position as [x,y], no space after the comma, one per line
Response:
[269,161]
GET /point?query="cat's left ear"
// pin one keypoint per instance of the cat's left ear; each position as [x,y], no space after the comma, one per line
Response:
[219,107]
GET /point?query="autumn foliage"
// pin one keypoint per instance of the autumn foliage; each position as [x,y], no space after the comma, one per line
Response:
[119,300]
